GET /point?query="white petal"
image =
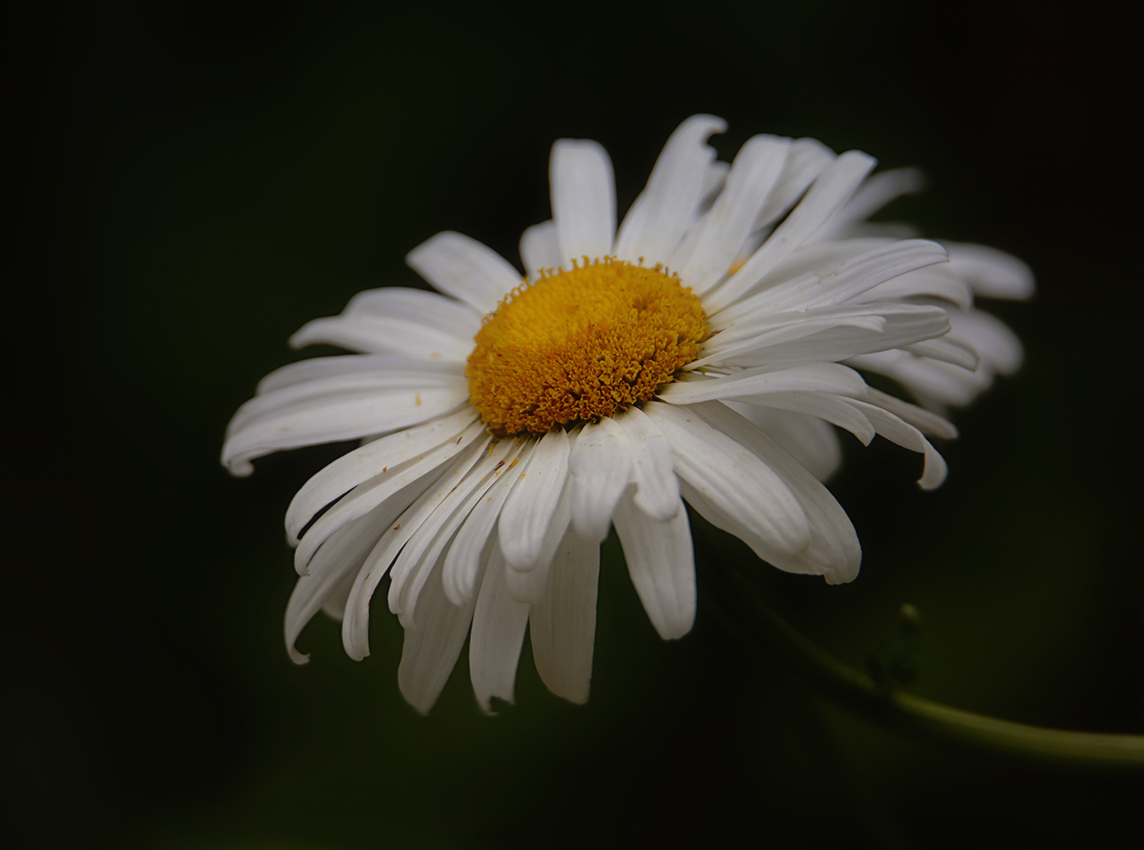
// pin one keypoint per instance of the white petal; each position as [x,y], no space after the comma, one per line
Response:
[733,479]
[713,179]
[931,282]
[991,273]
[832,408]
[334,419]
[321,368]
[540,248]
[821,258]
[832,334]
[391,463]
[812,377]
[334,605]
[347,387]
[711,511]
[754,316]
[381,334]
[530,583]
[848,279]
[424,548]
[338,559]
[583,199]
[656,222]
[600,469]
[532,502]
[464,268]
[563,625]
[834,551]
[725,227]
[811,441]
[464,556]
[355,625]
[995,341]
[807,159]
[652,466]
[925,421]
[661,562]
[907,436]
[498,633]
[948,349]
[431,649]
[874,193]
[832,187]
[932,382]
[417,305]
[409,321]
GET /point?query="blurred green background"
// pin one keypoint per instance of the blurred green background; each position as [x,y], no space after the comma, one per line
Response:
[197,180]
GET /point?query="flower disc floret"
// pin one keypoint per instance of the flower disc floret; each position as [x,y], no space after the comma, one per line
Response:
[577,345]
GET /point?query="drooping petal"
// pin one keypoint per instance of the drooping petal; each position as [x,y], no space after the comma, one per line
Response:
[499,622]
[377,470]
[563,624]
[834,551]
[334,605]
[338,559]
[600,470]
[925,421]
[811,441]
[424,548]
[530,506]
[355,624]
[897,430]
[432,647]
[583,199]
[652,466]
[529,583]
[661,563]
[464,556]
[828,407]
[733,479]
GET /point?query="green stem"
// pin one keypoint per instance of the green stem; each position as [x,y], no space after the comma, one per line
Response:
[769,636]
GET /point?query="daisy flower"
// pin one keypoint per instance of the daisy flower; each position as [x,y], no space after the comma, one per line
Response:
[695,352]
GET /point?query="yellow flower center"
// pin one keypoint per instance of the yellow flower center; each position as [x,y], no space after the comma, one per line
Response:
[577,345]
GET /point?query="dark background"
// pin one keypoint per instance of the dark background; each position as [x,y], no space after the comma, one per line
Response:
[194,181]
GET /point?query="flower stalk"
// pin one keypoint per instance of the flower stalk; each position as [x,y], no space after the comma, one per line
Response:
[743,612]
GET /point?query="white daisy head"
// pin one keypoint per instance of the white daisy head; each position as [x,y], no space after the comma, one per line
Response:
[703,350]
